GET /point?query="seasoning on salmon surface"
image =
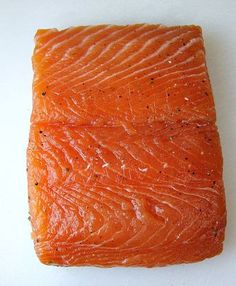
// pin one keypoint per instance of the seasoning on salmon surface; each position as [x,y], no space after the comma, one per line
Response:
[124,157]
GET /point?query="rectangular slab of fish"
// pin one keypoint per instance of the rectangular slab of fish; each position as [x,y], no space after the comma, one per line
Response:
[124,158]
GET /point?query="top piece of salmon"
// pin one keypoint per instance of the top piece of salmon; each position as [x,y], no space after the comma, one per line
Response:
[124,158]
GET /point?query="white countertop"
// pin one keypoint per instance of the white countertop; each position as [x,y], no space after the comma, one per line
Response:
[18,22]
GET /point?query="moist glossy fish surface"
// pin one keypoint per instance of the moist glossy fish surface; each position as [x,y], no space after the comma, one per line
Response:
[124,157]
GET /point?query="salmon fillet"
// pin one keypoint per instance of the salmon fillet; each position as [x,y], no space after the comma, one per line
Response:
[124,157]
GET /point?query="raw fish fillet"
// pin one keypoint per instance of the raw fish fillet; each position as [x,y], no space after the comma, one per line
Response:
[124,157]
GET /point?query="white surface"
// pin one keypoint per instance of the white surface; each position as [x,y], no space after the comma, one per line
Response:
[18,22]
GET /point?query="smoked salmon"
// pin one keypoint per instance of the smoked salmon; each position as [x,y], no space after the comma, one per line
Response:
[124,156]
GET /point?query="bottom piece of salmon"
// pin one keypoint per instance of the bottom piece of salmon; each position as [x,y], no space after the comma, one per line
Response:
[100,197]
